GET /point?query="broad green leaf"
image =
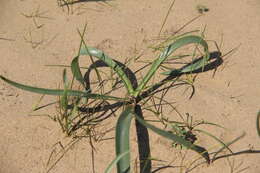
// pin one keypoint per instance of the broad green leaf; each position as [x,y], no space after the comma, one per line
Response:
[181,141]
[110,62]
[122,139]
[59,92]
[168,51]
[112,164]
[76,70]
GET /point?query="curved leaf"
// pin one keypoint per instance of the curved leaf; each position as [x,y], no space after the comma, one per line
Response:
[110,62]
[168,51]
[75,69]
[59,92]
[202,151]
[122,139]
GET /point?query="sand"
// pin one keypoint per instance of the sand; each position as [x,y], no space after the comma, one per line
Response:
[34,33]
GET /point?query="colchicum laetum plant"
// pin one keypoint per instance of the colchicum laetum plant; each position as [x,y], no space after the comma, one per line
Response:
[80,110]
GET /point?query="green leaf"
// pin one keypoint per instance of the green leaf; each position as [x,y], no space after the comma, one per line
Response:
[181,141]
[122,139]
[115,161]
[59,92]
[168,51]
[110,62]
[64,98]
[76,70]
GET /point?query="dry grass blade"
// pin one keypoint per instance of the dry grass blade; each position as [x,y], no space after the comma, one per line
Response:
[227,145]
[166,17]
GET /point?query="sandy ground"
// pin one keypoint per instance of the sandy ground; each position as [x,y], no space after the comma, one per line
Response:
[122,29]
